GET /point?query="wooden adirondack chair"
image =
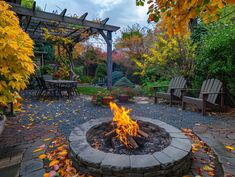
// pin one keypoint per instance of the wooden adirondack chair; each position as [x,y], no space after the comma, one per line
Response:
[209,92]
[174,90]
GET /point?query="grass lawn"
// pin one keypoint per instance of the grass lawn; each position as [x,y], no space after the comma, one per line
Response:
[90,90]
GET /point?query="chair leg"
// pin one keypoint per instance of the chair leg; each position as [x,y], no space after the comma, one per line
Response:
[155,100]
[204,108]
[183,105]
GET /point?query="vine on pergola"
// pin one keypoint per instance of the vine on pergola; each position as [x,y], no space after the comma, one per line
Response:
[64,46]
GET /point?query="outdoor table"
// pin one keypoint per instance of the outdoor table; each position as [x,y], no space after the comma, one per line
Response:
[62,85]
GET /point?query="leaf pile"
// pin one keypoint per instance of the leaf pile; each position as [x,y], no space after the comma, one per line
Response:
[203,158]
[56,160]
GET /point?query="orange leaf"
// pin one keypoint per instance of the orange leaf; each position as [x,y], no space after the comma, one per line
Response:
[53,162]
[42,156]
[63,153]
[46,175]
[211,173]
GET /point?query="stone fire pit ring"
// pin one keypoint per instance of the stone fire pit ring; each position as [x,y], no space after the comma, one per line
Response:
[173,161]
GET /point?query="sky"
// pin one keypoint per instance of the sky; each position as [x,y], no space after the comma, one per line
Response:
[120,12]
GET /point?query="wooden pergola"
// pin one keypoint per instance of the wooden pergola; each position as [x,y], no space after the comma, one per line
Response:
[33,21]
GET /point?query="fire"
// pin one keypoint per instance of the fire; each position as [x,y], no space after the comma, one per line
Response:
[125,126]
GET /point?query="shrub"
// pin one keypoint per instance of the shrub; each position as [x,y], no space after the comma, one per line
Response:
[47,69]
[148,86]
[79,70]
[216,57]
[100,72]
[86,79]
[116,75]
[124,82]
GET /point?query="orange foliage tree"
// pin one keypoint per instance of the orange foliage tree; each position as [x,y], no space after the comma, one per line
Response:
[174,16]
[16,48]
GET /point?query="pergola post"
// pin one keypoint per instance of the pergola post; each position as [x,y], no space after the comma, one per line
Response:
[108,39]
[109,60]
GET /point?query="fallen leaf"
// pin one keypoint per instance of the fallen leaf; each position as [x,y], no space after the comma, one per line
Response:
[42,156]
[63,153]
[53,162]
[231,148]
[56,167]
[46,175]
[47,139]
[211,173]
[208,168]
[52,173]
[38,150]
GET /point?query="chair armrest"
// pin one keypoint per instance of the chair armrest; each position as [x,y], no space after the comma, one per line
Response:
[161,86]
[177,88]
[210,93]
[190,89]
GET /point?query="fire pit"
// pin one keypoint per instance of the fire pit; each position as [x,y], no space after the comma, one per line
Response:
[120,146]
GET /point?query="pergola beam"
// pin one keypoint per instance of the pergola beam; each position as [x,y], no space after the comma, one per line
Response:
[54,17]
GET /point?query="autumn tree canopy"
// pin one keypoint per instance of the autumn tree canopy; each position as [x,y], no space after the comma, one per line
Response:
[174,16]
[16,48]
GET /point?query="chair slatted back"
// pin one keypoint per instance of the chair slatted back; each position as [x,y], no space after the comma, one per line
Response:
[211,86]
[38,82]
[177,82]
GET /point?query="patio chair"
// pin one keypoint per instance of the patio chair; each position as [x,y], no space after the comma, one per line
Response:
[209,93]
[174,90]
[39,86]
[45,88]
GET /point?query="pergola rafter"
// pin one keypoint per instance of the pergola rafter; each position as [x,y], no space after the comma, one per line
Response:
[33,21]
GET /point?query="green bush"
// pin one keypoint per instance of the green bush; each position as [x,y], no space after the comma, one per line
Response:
[124,82]
[100,72]
[79,70]
[216,57]
[86,79]
[47,69]
[148,86]
[116,75]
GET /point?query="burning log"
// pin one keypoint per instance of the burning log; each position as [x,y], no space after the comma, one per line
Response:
[142,133]
[132,143]
[111,133]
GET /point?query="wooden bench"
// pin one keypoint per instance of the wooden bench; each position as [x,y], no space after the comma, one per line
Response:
[209,93]
[174,90]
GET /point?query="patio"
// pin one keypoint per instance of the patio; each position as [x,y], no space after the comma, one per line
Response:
[58,117]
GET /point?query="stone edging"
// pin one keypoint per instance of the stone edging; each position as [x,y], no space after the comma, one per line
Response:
[2,124]
[174,159]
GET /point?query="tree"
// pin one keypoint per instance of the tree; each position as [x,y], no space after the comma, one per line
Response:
[174,16]
[216,56]
[16,48]
[176,53]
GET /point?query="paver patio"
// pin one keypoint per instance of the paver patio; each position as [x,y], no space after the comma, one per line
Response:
[40,116]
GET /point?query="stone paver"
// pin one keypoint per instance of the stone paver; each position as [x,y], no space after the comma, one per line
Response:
[217,137]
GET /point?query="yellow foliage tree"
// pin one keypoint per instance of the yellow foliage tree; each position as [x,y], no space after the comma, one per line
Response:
[174,16]
[176,53]
[16,48]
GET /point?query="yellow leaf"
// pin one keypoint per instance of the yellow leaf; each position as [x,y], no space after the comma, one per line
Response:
[42,156]
[38,150]
[63,153]
[231,148]
[47,139]
[208,168]
[53,162]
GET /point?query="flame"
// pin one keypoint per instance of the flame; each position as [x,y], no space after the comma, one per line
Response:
[125,126]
